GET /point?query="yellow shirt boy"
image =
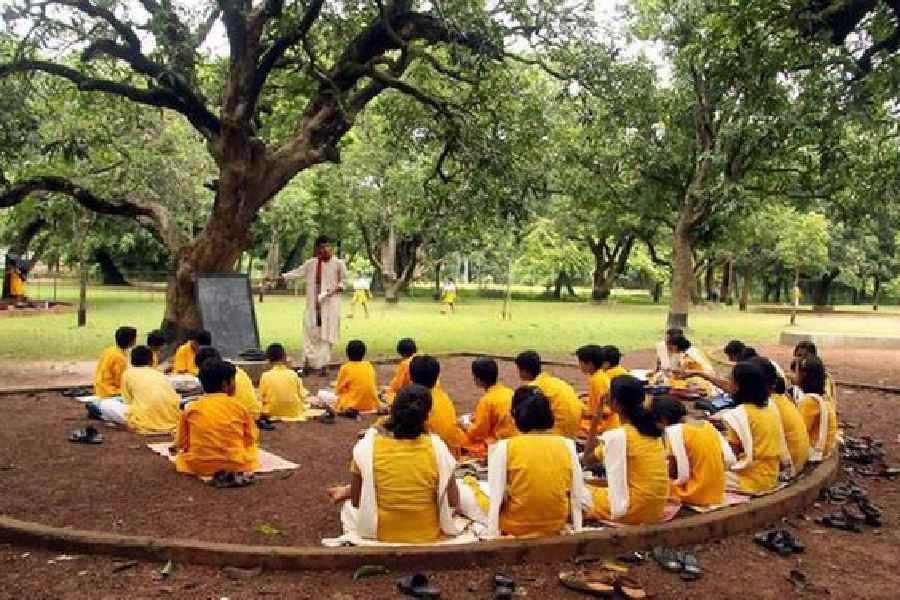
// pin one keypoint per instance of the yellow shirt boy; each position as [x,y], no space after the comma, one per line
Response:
[401,378]
[357,387]
[185,360]
[282,393]
[598,399]
[245,394]
[442,420]
[152,401]
[216,433]
[567,408]
[493,418]
[109,371]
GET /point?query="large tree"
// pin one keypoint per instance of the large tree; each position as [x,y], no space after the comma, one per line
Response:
[296,78]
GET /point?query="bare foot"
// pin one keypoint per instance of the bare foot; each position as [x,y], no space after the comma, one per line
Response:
[338,493]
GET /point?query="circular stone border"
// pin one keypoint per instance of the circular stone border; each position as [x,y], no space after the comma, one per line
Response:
[742,518]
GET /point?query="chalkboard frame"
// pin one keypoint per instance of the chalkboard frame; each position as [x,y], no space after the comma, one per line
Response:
[243,276]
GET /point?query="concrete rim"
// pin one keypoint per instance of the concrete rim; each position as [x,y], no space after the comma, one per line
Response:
[694,529]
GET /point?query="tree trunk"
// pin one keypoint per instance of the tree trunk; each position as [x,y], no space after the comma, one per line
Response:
[293,258]
[110,272]
[745,287]
[822,288]
[682,274]
[876,292]
[437,280]
[767,290]
[657,292]
[725,287]
[708,279]
[29,232]
[779,285]
[557,286]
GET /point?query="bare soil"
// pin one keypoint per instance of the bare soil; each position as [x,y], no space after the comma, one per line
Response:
[121,486]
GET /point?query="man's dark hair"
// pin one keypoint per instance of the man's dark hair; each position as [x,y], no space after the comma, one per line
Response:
[531,410]
[424,370]
[612,356]
[485,370]
[356,350]
[322,240]
[751,385]
[204,354]
[141,356]
[409,412]
[156,339]
[125,337]
[591,354]
[733,349]
[530,362]
[215,374]
[681,343]
[275,353]
[406,347]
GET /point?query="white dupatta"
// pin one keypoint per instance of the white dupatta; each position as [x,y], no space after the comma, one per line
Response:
[787,460]
[675,440]
[737,419]
[498,455]
[615,460]
[817,451]
[364,455]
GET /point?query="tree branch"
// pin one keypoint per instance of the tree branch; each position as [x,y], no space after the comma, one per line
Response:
[282,44]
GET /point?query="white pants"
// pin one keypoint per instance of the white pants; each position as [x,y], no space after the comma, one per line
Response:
[316,351]
[114,411]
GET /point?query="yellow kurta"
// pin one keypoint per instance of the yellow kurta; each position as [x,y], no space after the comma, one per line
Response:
[706,485]
[794,430]
[615,371]
[567,408]
[809,409]
[406,489]
[647,470]
[401,378]
[151,399]
[245,394]
[108,374]
[493,418]
[16,284]
[598,399]
[442,420]
[762,474]
[282,393]
[185,360]
[357,387]
[216,433]
[538,484]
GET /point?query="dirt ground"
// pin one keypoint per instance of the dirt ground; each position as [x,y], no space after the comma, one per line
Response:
[121,486]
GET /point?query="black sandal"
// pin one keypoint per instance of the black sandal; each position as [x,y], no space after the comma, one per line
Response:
[691,570]
[838,521]
[417,587]
[88,435]
[504,587]
[667,558]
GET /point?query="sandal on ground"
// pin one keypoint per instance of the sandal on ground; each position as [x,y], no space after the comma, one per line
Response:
[692,570]
[93,411]
[265,424]
[778,540]
[328,418]
[667,558]
[871,512]
[504,587]
[88,435]
[417,587]
[597,583]
[227,479]
[629,588]
[838,521]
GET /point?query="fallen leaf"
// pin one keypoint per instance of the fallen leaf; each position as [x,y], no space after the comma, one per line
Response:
[238,573]
[82,573]
[120,566]
[167,570]
[266,529]
[369,571]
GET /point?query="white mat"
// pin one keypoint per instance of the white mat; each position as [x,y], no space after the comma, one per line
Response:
[268,462]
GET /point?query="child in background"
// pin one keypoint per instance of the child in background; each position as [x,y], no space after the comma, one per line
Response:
[156,341]
[357,386]
[493,420]
[818,410]
[361,295]
[598,417]
[567,408]
[406,348]
[698,455]
[216,433]
[425,371]
[449,295]
[112,364]
[185,357]
[280,388]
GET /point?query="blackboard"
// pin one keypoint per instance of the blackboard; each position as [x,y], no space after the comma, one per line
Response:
[226,310]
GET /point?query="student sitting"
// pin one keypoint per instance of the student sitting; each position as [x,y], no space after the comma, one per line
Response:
[425,371]
[535,479]
[796,438]
[611,359]
[818,410]
[156,341]
[693,372]
[357,386]
[698,455]
[753,431]
[280,388]
[216,433]
[598,416]
[149,403]
[185,361]
[669,354]
[402,488]
[243,385]
[807,349]
[567,408]
[733,351]
[112,364]
[493,420]
[406,348]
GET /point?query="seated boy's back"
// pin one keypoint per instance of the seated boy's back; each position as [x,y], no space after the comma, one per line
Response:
[112,364]
[357,387]
[151,399]
[281,391]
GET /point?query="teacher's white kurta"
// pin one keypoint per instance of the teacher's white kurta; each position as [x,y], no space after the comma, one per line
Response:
[334,273]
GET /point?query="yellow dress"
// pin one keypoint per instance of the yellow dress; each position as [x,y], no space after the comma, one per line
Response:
[360,297]
[809,408]
[493,418]
[216,433]
[706,484]
[282,393]
[794,430]
[109,371]
[598,396]
[647,470]
[406,489]
[538,484]
[151,399]
[357,387]
[245,394]
[16,284]
[762,475]
[442,420]
[185,360]
[401,378]
[567,408]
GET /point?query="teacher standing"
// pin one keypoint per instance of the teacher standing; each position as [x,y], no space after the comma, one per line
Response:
[325,276]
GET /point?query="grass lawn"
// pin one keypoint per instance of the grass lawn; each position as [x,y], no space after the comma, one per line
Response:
[553,327]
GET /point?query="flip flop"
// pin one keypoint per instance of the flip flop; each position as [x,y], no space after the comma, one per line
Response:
[776,541]
[417,587]
[88,435]
[629,588]
[599,583]
[692,570]
[667,558]
[872,513]
[224,480]
[838,521]
[265,424]
[93,411]
[504,587]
